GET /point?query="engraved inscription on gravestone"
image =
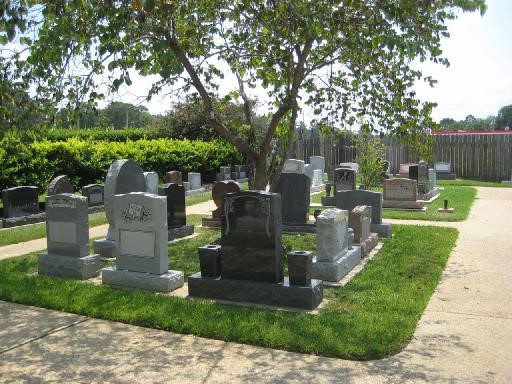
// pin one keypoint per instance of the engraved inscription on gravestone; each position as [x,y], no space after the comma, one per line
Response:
[400,189]
[94,194]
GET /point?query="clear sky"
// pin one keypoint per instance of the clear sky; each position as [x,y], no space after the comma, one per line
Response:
[478,81]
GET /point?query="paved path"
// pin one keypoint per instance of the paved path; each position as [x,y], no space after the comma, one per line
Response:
[464,336]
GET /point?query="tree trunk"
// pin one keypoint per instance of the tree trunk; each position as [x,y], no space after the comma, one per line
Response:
[260,175]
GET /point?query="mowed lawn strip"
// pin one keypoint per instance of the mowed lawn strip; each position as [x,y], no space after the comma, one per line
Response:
[471,183]
[373,316]
[459,197]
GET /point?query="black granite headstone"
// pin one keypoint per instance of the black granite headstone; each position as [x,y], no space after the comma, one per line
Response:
[344,179]
[20,201]
[251,237]
[176,215]
[413,172]
[295,197]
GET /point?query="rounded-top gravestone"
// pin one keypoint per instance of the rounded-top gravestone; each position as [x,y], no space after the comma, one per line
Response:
[220,188]
[151,182]
[60,184]
[124,176]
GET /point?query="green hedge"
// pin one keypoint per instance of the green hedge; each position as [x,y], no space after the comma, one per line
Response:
[87,161]
[97,134]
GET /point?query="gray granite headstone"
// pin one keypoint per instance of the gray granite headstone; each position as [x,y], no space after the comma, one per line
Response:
[344,179]
[60,184]
[317,177]
[294,166]
[67,228]
[141,253]
[20,201]
[423,182]
[295,197]
[351,165]
[94,194]
[401,193]
[334,258]
[194,178]
[309,170]
[318,162]
[443,167]
[225,173]
[151,182]
[124,176]
[432,179]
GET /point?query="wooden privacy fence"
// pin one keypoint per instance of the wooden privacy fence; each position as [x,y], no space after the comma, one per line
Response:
[482,156]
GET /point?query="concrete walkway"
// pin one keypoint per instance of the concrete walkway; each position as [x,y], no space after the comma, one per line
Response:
[464,336]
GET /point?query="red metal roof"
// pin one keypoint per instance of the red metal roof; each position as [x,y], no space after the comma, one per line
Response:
[472,132]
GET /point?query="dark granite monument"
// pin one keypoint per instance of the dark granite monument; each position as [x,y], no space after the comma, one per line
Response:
[176,211]
[60,184]
[20,201]
[219,189]
[344,179]
[251,258]
[348,200]
[295,198]
[94,194]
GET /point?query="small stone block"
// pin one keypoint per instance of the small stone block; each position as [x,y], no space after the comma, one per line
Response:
[211,222]
[209,260]
[82,268]
[334,272]
[179,232]
[447,210]
[328,201]
[368,244]
[383,230]
[122,278]
[257,292]
[299,267]
[105,248]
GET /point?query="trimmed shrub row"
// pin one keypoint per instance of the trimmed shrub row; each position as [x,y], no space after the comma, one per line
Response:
[96,134]
[87,161]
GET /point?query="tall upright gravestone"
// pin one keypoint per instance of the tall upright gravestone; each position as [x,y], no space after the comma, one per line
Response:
[176,211]
[67,228]
[124,176]
[251,258]
[295,198]
[151,182]
[141,253]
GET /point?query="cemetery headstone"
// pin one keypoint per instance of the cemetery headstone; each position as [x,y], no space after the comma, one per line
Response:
[361,219]
[173,177]
[317,177]
[220,188]
[351,165]
[404,170]
[328,200]
[94,194]
[151,182]
[348,200]
[194,179]
[67,228]
[295,198]
[251,258]
[401,193]
[176,211]
[334,257]
[413,172]
[308,170]
[432,179]
[444,171]
[318,162]
[124,176]
[294,166]
[423,182]
[20,201]
[224,174]
[141,255]
[344,179]
[60,184]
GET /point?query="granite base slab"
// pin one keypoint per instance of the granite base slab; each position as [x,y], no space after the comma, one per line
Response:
[23,220]
[328,271]
[122,278]
[68,267]
[105,248]
[193,192]
[384,230]
[445,176]
[280,295]
[430,196]
[210,222]
[368,244]
[179,232]
[447,210]
[299,228]
[328,201]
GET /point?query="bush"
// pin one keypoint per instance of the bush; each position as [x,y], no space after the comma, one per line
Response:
[370,152]
[87,161]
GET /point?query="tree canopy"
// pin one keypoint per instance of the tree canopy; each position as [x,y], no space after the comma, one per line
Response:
[504,118]
[350,60]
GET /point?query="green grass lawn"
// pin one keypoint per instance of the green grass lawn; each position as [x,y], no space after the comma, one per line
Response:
[459,197]
[471,183]
[373,316]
